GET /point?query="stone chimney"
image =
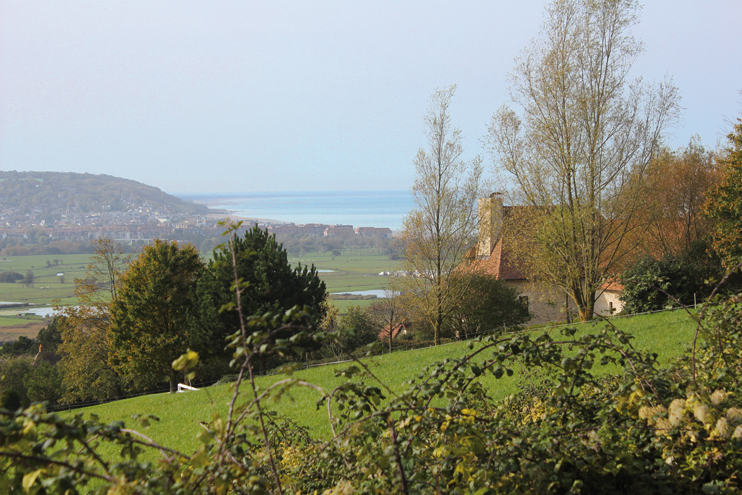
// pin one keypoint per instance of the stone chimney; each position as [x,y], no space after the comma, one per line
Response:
[490,224]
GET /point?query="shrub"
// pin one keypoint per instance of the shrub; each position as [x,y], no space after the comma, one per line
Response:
[10,277]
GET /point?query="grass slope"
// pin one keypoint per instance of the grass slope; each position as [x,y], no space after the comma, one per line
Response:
[665,333]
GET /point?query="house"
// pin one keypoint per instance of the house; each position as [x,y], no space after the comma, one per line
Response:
[399,329]
[492,256]
[374,231]
[339,230]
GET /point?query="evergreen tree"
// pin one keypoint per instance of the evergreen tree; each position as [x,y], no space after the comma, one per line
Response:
[273,286]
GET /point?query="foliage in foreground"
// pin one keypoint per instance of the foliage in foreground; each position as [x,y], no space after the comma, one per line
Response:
[571,429]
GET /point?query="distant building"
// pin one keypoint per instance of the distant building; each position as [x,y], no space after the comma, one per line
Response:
[374,231]
[114,232]
[338,230]
[309,229]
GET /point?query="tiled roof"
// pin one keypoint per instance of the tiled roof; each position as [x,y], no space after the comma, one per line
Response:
[501,264]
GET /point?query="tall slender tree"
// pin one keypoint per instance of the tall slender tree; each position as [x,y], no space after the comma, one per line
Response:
[438,232]
[86,371]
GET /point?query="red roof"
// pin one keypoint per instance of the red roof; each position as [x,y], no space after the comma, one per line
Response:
[399,327]
[500,264]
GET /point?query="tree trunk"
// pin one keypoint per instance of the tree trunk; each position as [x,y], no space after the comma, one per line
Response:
[587,310]
[173,382]
[391,330]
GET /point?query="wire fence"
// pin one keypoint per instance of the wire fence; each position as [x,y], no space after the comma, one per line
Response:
[397,346]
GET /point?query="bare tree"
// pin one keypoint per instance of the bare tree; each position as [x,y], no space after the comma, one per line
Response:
[388,312]
[438,232]
[578,150]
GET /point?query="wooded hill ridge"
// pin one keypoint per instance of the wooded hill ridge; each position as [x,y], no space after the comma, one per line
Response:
[60,192]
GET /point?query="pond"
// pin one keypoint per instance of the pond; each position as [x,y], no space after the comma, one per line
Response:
[375,292]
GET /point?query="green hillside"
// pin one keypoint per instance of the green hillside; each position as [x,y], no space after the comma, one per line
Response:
[54,192]
[665,333]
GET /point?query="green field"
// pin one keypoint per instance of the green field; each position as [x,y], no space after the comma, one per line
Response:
[47,285]
[665,333]
[351,273]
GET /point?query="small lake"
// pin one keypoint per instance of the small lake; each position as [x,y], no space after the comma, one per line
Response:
[325,271]
[46,312]
[375,292]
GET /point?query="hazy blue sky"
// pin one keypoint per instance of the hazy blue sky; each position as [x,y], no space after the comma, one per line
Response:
[206,96]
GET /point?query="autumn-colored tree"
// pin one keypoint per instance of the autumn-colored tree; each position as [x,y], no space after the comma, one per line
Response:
[672,217]
[85,348]
[148,317]
[724,202]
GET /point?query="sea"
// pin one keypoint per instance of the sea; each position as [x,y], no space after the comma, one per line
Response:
[356,208]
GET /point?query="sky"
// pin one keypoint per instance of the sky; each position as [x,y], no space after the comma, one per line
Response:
[304,95]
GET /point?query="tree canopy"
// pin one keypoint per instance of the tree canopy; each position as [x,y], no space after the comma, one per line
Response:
[724,202]
[148,318]
[272,285]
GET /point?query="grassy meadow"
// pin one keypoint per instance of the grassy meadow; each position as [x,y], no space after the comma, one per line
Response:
[665,333]
[351,272]
[47,287]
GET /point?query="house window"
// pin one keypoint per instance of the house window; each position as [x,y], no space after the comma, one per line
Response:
[523,300]
[610,306]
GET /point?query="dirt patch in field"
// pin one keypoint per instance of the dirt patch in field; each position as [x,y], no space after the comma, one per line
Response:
[30,330]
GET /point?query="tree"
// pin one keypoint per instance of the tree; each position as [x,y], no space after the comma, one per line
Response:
[148,318]
[674,199]
[273,285]
[354,329]
[651,284]
[438,232]
[579,150]
[12,372]
[43,383]
[19,347]
[389,311]
[488,305]
[28,279]
[359,328]
[724,202]
[51,335]
[85,348]
[10,277]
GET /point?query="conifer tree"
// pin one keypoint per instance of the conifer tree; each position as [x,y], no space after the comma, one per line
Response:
[273,286]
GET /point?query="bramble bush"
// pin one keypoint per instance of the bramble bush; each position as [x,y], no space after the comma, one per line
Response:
[593,415]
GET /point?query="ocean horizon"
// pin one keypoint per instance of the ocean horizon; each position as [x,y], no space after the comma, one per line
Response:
[357,208]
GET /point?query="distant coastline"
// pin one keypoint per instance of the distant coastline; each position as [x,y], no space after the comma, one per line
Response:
[357,208]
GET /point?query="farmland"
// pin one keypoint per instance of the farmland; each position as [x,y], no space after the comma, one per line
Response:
[350,273]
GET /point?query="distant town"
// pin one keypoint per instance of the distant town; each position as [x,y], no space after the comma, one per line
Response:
[147,223]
